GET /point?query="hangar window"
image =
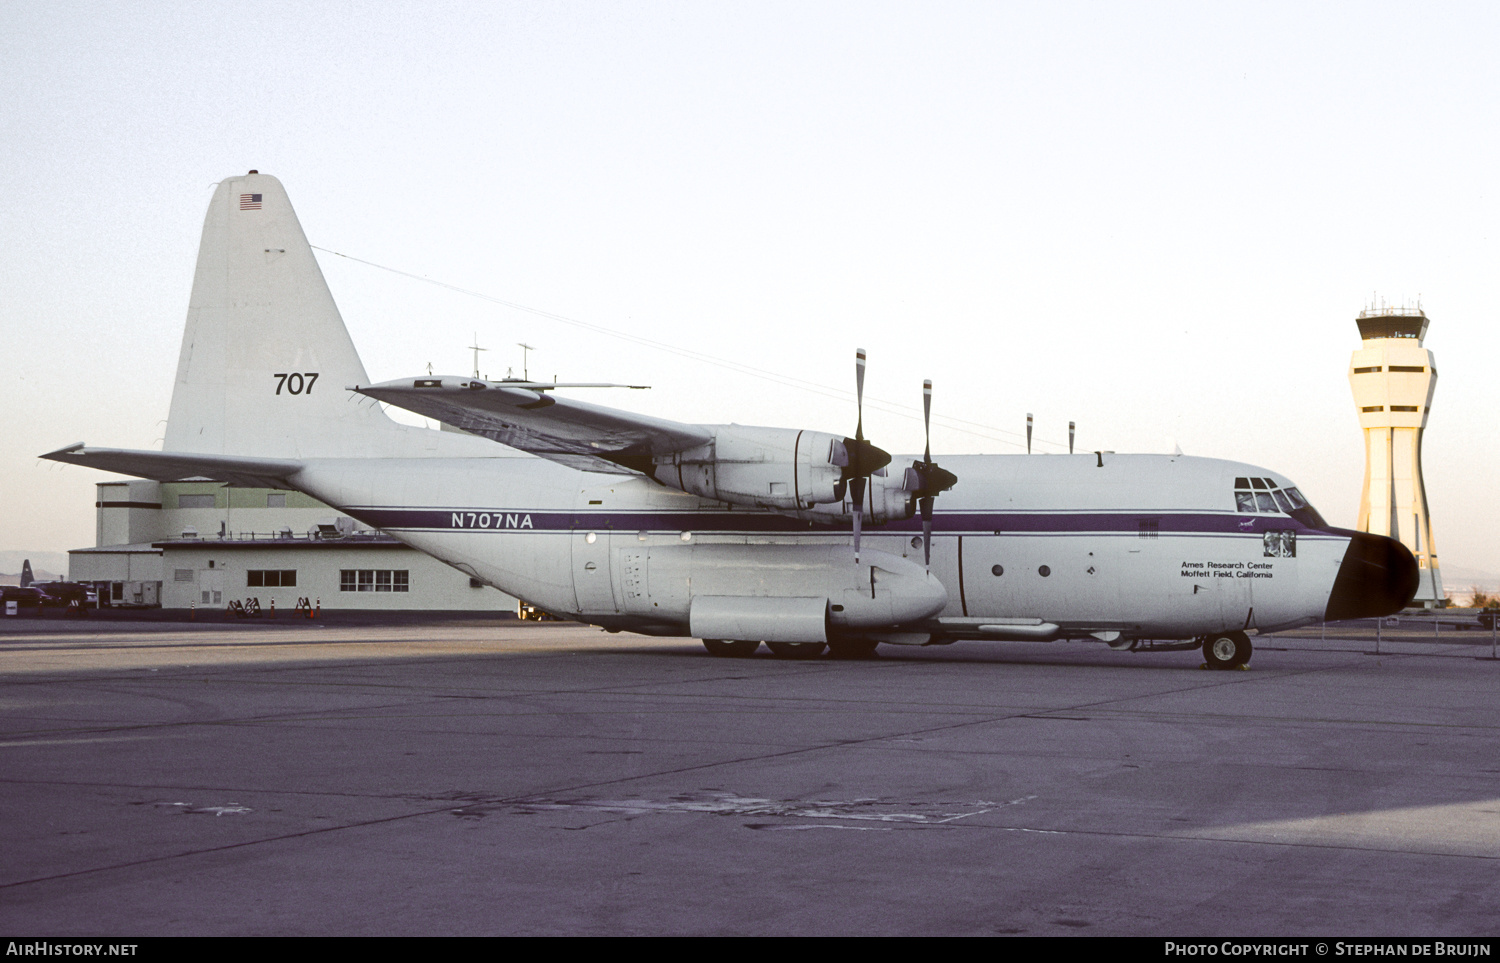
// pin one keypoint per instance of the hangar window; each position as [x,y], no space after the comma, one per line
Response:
[373,580]
[1404,408]
[271,577]
[1149,527]
[1412,368]
[1369,408]
[182,574]
[277,500]
[195,501]
[1368,370]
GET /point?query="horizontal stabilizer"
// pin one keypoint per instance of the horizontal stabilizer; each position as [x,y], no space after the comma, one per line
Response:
[176,466]
[575,433]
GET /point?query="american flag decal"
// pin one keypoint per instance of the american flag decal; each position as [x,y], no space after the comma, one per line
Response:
[249,202]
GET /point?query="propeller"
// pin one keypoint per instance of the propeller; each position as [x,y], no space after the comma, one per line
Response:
[862,458]
[931,480]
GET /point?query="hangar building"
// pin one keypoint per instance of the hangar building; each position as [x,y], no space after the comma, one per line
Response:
[203,544]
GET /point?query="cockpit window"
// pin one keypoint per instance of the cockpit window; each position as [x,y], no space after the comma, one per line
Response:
[1262,496]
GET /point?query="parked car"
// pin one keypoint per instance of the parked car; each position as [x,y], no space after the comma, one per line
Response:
[1488,617]
[60,594]
[27,597]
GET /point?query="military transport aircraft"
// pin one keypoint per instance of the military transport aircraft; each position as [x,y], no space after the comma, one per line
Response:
[735,535]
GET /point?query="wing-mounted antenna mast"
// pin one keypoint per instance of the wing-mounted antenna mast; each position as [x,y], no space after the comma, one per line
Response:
[525,348]
[476,349]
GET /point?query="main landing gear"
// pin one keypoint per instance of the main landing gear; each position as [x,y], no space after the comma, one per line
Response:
[730,648]
[842,649]
[1226,650]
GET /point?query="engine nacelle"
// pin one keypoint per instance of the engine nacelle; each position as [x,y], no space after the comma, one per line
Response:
[887,499]
[778,468]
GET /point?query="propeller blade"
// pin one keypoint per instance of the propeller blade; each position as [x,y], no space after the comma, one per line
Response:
[859,393]
[930,480]
[858,470]
[927,420]
[857,490]
[926,504]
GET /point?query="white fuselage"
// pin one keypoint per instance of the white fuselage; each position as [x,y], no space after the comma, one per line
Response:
[1143,545]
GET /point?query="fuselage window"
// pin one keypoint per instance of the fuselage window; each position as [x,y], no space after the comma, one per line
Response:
[1280,544]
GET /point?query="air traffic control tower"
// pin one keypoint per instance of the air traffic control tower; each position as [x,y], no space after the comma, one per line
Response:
[1393,378]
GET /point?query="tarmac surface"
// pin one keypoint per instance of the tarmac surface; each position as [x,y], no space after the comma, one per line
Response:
[497,777]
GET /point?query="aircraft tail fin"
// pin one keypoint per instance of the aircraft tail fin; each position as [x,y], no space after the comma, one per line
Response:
[265,355]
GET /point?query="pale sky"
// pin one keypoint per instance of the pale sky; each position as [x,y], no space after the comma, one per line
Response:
[1157,220]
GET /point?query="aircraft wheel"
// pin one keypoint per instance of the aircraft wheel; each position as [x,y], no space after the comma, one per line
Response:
[1228,650]
[731,648]
[853,649]
[795,650]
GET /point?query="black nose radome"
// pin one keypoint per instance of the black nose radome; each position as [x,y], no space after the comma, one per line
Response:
[1378,577]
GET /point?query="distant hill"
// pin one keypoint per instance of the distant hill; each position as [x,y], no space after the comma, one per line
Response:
[44,566]
[1459,582]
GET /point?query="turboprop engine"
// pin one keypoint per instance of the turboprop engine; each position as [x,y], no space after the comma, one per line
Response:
[777,468]
[888,498]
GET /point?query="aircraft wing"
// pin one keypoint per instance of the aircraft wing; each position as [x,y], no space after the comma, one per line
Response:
[175,466]
[574,433]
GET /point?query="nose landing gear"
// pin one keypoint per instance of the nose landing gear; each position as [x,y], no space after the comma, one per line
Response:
[1226,650]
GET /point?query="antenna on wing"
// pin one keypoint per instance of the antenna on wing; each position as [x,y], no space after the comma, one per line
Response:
[525,375]
[1070,437]
[476,349]
[1028,432]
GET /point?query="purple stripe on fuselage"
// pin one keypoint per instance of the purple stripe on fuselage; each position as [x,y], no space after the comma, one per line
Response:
[752,522]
